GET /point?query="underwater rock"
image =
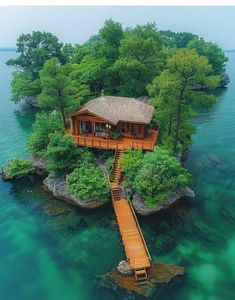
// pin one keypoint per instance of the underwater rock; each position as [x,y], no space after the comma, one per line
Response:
[124,268]
[214,158]
[159,274]
[142,209]
[58,188]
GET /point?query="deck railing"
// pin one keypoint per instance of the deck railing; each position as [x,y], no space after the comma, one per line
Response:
[147,143]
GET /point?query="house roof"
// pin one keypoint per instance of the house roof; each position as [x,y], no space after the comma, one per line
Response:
[115,109]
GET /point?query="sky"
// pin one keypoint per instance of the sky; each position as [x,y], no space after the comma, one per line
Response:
[76,24]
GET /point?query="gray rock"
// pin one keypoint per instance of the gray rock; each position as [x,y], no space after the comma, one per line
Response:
[224,80]
[141,208]
[58,188]
[124,268]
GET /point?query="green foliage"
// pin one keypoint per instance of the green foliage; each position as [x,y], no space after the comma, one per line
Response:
[88,181]
[154,175]
[63,155]
[58,91]
[131,161]
[19,166]
[34,50]
[173,93]
[23,85]
[112,34]
[44,125]
[116,135]
[212,51]
[176,39]
[91,72]
[139,61]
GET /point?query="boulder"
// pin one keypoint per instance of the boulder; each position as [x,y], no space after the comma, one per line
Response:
[142,209]
[224,80]
[159,275]
[58,188]
[124,268]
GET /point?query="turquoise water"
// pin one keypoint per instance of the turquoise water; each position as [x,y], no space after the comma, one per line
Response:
[50,250]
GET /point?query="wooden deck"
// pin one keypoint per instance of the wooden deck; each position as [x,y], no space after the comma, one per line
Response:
[123,143]
[132,238]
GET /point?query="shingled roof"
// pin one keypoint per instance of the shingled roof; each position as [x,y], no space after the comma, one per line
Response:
[115,109]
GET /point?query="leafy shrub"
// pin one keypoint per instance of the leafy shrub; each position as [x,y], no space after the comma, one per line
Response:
[63,155]
[155,175]
[19,166]
[44,125]
[116,135]
[88,181]
[131,162]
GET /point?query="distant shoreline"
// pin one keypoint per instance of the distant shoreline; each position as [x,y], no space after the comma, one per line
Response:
[7,49]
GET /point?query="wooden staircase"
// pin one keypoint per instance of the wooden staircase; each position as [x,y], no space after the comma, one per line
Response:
[132,238]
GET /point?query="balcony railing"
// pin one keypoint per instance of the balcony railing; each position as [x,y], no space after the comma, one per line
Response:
[123,143]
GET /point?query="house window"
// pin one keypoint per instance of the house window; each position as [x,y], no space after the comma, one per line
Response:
[85,127]
[100,129]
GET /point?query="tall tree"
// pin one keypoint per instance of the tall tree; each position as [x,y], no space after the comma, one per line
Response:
[112,34]
[34,50]
[173,89]
[139,60]
[58,91]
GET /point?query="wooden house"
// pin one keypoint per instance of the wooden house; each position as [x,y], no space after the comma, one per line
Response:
[111,122]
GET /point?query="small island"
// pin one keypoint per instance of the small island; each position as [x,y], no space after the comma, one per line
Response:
[121,138]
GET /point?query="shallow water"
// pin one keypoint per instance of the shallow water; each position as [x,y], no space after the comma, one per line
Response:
[50,250]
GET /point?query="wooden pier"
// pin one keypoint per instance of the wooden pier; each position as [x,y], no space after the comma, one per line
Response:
[132,238]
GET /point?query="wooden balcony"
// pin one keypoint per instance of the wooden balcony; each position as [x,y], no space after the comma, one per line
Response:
[123,143]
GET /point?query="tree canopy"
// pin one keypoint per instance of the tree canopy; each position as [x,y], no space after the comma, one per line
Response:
[155,175]
[44,125]
[58,91]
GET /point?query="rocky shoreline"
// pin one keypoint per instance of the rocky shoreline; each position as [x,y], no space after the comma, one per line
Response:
[58,188]
[142,209]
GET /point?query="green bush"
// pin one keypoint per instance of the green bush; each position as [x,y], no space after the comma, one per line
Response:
[19,166]
[116,135]
[88,181]
[154,175]
[63,156]
[44,125]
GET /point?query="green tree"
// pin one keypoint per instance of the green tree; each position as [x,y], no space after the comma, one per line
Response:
[176,39]
[91,72]
[34,50]
[155,175]
[58,91]
[140,59]
[88,181]
[174,87]
[112,34]
[62,155]
[23,85]
[44,125]
[212,51]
